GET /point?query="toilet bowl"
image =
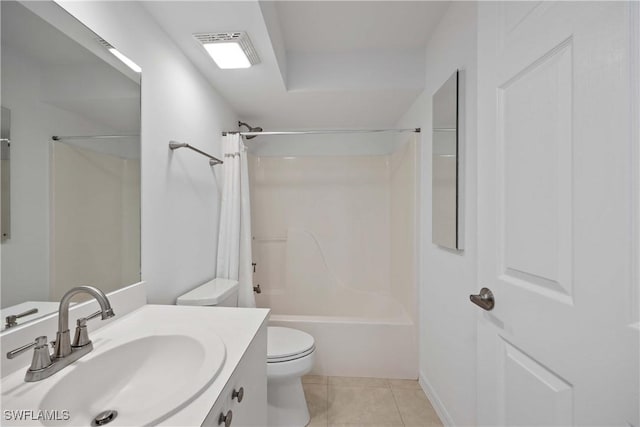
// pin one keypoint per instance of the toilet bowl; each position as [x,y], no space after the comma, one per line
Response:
[290,355]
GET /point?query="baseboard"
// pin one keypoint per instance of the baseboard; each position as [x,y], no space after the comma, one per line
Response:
[437,404]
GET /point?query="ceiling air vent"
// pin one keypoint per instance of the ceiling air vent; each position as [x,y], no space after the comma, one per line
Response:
[223,46]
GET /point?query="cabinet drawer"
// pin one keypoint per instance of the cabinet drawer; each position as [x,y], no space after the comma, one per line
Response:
[251,376]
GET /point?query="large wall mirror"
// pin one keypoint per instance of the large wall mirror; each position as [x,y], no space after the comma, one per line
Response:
[447,219]
[70,161]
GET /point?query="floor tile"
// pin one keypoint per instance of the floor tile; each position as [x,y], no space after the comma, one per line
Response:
[410,384]
[359,381]
[314,379]
[366,425]
[415,408]
[362,406]
[317,402]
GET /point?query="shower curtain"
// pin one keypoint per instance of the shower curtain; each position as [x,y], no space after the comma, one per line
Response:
[234,235]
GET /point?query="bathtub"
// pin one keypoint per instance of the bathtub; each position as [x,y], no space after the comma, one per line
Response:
[376,339]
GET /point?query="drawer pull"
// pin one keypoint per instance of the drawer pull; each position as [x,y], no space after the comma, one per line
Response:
[238,394]
[225,419]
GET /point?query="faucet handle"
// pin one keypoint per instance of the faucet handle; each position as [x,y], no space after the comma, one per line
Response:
[81,337]
[18,351]
[41,357]
[83,320]
[13,319]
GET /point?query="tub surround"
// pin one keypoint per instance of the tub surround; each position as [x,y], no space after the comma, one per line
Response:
[319,224]
[334,246]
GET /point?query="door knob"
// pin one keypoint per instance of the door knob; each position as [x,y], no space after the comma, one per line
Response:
[484,299]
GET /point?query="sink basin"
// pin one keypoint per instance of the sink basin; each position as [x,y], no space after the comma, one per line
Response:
[143,369]
[133,378]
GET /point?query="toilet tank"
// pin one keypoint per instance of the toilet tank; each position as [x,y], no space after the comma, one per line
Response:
[216,292]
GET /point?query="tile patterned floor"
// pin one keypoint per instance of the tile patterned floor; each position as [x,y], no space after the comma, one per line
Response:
[371,402]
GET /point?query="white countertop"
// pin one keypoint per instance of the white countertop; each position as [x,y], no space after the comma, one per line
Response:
[236,327]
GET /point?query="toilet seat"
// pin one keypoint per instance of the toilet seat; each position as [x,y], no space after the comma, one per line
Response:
[292,357]
[286,344]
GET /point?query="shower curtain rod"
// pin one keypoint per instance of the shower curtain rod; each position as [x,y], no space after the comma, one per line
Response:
[60,138]
[333,131]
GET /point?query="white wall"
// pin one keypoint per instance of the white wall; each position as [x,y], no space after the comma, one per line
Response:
[180,194]
[447,332]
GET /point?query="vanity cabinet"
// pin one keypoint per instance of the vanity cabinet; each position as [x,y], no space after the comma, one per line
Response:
[173,354]
[249,379]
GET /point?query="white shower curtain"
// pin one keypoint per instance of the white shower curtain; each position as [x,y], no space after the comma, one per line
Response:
[234,235]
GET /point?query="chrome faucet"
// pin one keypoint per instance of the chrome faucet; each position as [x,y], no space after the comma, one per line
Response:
[43,365]
[63,340]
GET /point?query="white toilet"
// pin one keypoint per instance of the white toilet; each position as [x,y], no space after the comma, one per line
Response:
[290,355]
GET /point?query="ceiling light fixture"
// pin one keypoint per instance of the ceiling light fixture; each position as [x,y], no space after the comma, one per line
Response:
[115,52]
[229,50]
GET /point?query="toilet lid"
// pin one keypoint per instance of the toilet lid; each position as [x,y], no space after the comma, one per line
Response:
[283,343]
[211,293]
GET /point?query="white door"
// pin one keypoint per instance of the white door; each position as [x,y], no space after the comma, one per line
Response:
[555,206]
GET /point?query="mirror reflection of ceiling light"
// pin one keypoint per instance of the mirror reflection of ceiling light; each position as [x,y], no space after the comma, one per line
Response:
[229,50]
[129,63]
[115,52]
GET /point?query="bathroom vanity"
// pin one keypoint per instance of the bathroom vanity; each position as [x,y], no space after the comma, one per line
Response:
[157,365]
[239,392]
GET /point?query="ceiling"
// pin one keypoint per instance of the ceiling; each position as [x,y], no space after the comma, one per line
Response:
[324,64]
[68,57]
[334,26]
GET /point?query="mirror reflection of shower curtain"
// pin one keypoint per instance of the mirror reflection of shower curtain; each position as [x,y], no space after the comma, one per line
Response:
[234,235]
